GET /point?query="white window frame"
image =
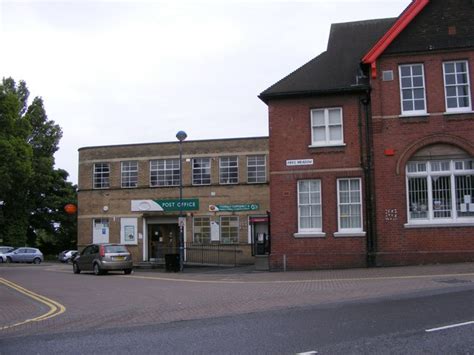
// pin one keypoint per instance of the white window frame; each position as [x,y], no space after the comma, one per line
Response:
[327,126]
[101,179]
[428,173]
[310,232]
[201,174]
[456,85]
[169,167]
[349,232]
[254,166]
[413,112]
[129,177]
[229,167]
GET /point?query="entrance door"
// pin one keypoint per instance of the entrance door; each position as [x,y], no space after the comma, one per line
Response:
[261,242]
[163,239]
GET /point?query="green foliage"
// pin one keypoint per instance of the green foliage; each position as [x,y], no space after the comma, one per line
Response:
[32,190]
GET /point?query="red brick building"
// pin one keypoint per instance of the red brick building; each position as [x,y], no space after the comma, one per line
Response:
[372,144]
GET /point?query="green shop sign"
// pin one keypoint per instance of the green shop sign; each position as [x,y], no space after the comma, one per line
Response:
[188,204]
[239,207]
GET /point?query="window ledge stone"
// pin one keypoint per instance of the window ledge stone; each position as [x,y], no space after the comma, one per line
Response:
[350,234]
[337,145]
[454,113]
[438,225]
[310,235]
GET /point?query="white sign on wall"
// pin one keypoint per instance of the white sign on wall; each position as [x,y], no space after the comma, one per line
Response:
[299,162]
[128,230]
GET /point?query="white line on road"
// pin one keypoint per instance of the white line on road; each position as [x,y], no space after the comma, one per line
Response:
[449,326]
[308,353]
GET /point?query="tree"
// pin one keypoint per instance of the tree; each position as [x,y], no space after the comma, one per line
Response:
[32,190]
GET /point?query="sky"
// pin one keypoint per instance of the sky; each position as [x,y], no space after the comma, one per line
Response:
[121,72]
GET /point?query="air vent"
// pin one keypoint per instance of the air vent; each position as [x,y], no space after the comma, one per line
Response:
[387,75]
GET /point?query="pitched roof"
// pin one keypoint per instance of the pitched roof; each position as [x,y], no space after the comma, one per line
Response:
[337,68]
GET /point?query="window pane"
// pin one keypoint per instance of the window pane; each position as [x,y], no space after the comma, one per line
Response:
[335,133]
[406,83]
[418,197]
[334,116]
[407,105]
[419,105]
[450,79]
[319,134]
[417,69]
[465,196]
[449,67]
[318,118]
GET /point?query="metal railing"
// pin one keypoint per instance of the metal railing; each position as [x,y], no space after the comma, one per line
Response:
[218,254]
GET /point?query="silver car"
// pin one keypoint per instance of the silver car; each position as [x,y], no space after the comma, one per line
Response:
[25,255]
[101,258]
[3,251]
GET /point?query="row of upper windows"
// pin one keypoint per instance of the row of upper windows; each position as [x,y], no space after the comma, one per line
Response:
[327,123]
[166,172]
[457,90]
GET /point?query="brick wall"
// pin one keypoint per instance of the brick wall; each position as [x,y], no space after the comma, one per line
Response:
[398,245]
[290,136]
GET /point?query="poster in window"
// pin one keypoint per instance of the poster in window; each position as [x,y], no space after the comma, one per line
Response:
[129,233]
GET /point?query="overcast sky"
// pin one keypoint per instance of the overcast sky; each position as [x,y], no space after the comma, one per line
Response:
[119,72]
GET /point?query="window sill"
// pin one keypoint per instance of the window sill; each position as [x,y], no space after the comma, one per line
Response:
[452,113]
[336,145]
[439,225]
[414,115]
[349,234]
[310,235]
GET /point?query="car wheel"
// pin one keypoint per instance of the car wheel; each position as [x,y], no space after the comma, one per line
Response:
[9,260]
[36,261]
[97,270]
[127,271]
[1,260]
[75,268]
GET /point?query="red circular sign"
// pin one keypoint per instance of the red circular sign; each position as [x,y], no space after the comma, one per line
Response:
[70,208]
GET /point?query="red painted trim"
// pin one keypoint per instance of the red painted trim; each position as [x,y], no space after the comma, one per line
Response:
[405,18]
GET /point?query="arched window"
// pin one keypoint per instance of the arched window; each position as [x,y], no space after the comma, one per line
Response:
[440,186]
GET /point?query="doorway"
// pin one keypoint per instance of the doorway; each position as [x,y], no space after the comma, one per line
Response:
[260,236]
[162,239]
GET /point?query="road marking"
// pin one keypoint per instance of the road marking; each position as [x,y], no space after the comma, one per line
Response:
[55,308]
[449,326]
[380,278]
[312,352]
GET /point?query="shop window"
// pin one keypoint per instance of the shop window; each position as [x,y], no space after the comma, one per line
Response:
[201,230]
[228,170]
[101,176]
[440,191]
[229,228]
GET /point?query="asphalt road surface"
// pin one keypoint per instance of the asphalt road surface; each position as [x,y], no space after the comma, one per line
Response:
[153,313]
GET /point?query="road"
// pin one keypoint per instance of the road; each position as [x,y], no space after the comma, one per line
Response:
[341,312]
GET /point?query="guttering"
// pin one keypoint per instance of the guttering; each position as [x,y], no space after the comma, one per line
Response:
[402,22]
[291,94]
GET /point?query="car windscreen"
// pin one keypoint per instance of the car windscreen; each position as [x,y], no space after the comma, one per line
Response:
[116,249]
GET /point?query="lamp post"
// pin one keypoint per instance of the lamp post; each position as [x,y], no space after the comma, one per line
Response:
[181,135]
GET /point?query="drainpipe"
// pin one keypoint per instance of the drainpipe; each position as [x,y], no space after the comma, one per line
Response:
[368,167]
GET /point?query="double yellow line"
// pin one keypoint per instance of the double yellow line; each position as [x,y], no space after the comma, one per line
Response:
[55,308]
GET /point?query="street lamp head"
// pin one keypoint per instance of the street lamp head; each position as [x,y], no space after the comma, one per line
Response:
[181,135]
